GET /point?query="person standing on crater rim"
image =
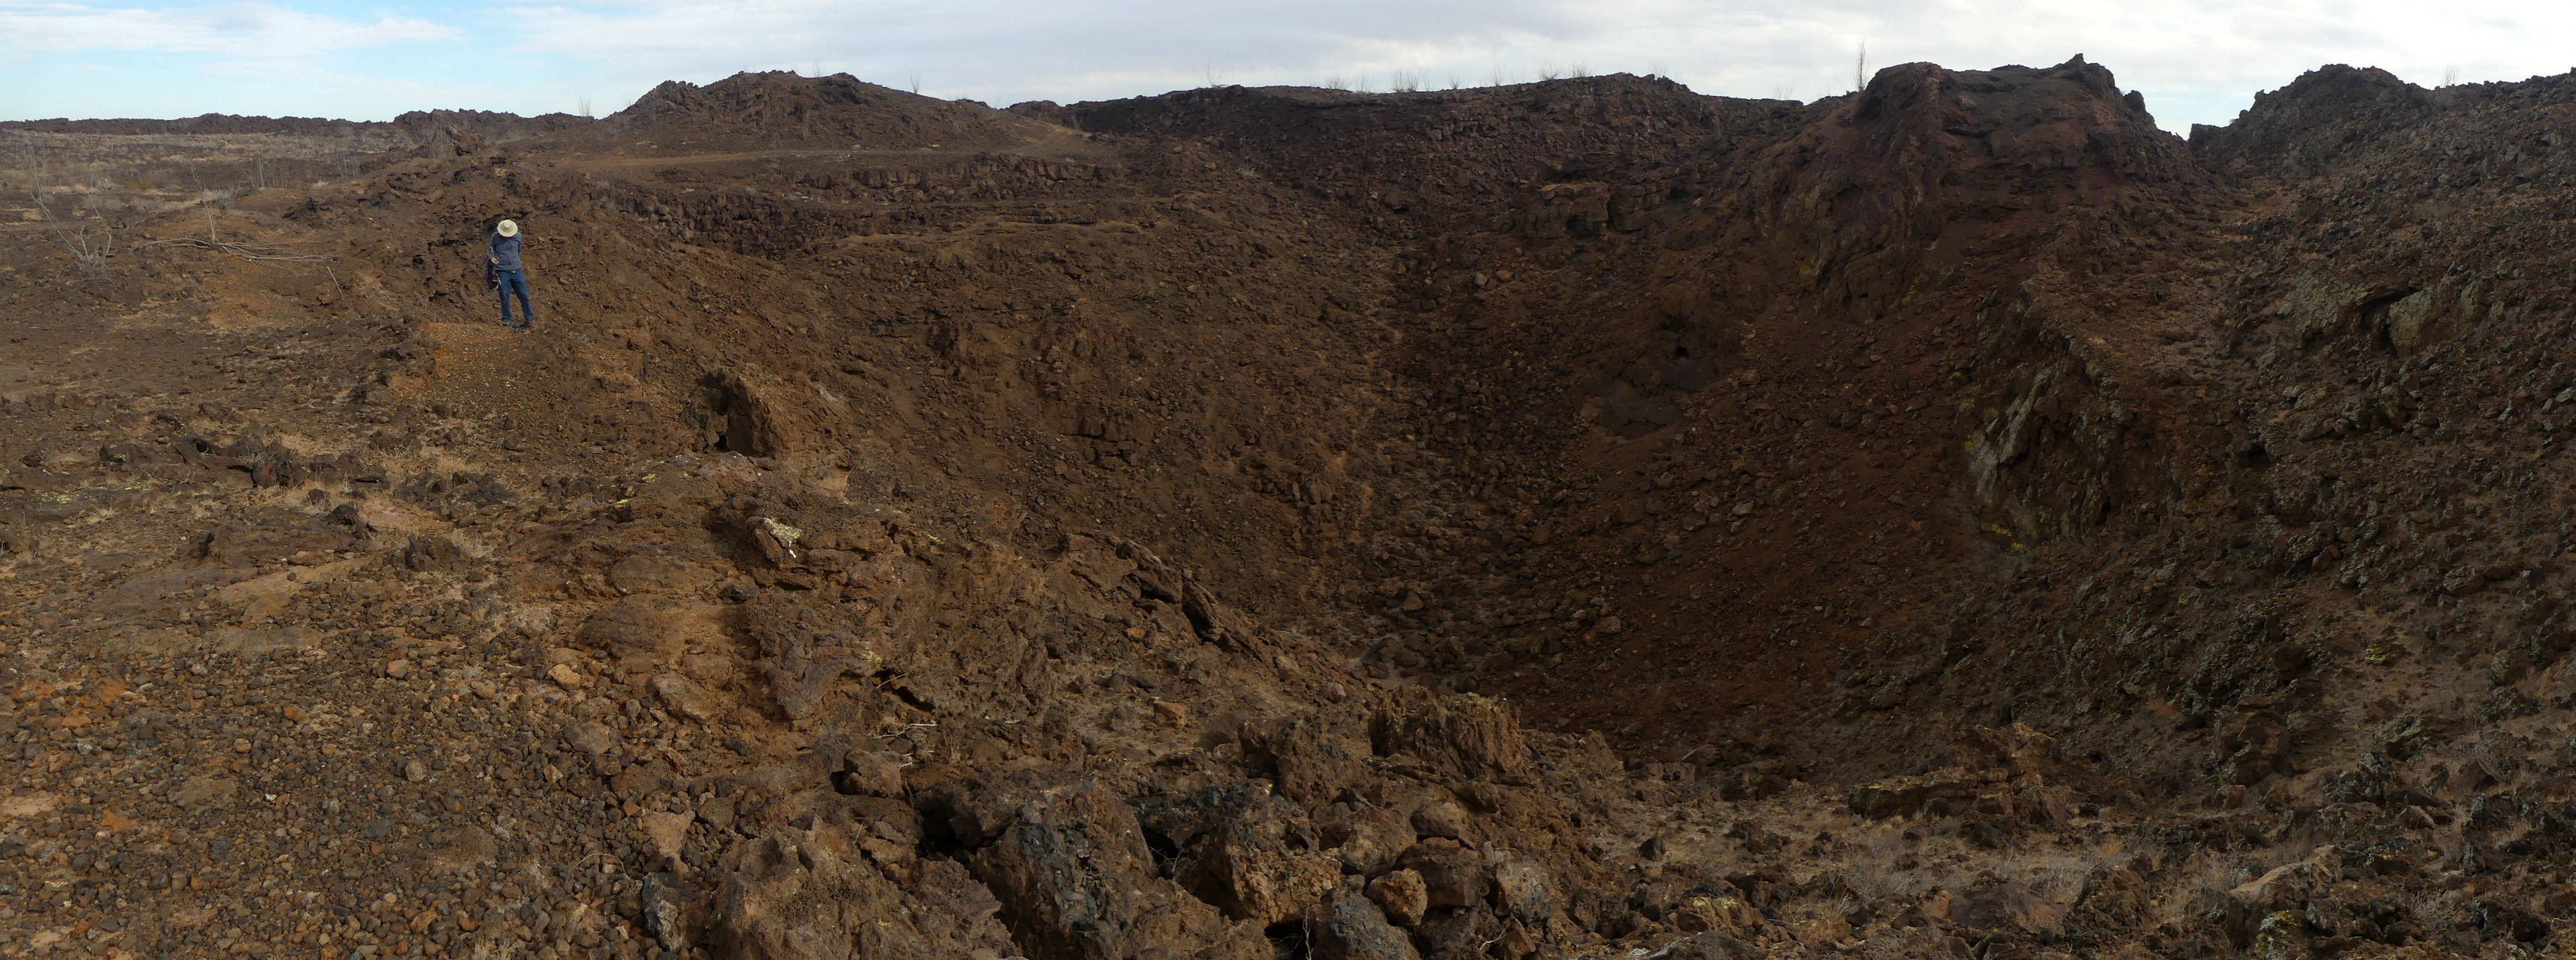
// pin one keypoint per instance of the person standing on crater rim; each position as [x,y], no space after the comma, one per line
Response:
[510,274]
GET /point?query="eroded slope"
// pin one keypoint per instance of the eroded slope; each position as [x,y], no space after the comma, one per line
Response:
[1979,521]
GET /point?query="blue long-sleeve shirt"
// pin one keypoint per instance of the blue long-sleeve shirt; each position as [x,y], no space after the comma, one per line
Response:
[506,250]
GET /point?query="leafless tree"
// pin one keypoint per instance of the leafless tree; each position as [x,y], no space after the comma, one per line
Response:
[89,252]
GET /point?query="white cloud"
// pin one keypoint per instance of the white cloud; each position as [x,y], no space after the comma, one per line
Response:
[237,29]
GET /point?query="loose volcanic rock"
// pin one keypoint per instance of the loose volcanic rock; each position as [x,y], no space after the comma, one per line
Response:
[1470,736]
[875,773]
[1562,519]
[1075,878]
[683,698]
[589,737]
[1441,818]
[1248,852]
[1348,927]
[1401,894]
[204,792]
[1452,875]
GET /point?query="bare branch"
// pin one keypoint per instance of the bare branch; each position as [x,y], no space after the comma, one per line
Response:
[90,255]
[265,252]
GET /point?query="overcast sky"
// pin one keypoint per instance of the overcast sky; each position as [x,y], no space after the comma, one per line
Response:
[2197,61]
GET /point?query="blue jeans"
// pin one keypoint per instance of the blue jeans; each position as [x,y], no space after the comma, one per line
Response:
[515,280]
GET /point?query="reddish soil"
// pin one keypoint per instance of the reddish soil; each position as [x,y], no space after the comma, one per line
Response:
[1578,518]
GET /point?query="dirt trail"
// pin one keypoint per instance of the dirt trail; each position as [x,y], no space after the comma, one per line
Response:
[1572,519]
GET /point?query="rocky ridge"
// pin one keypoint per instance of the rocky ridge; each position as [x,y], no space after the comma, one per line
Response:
[1974,521]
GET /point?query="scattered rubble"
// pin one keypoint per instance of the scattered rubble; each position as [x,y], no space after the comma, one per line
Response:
[1578,518]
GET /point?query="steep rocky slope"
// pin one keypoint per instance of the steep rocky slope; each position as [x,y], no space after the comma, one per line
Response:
[1956,518]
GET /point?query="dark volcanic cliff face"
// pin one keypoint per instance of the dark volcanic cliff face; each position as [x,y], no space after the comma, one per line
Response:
[2302,129]
[768,111]
[1564,519]
[1709,362]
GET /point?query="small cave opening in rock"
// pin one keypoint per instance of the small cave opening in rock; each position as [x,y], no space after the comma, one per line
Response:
[1288,940]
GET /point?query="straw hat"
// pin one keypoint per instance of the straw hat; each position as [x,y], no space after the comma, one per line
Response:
[508,228]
